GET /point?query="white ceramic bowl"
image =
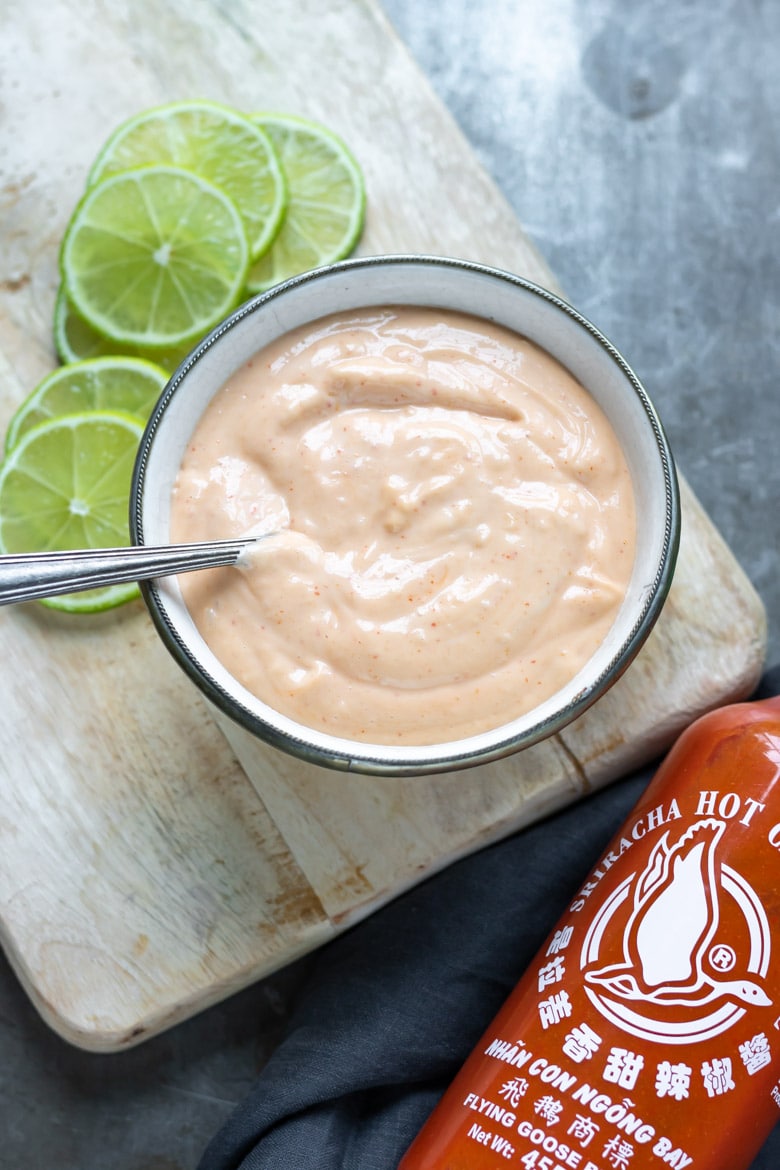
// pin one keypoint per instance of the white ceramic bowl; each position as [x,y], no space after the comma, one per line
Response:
[446,284]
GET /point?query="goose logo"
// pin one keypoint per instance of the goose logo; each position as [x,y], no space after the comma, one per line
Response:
[689,940]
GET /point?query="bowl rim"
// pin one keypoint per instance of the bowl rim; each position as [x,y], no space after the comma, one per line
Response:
[358,756]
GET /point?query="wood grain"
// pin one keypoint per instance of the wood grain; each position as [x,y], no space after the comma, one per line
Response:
[153,857]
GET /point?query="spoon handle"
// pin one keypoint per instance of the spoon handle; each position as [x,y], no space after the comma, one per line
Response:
[29,576]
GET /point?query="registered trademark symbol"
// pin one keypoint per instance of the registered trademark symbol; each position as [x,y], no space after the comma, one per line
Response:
[723,957]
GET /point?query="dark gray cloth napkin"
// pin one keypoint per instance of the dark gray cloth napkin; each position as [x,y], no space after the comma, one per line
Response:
[392,1008]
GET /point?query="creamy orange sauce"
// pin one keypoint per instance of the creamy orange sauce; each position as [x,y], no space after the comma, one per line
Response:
[455,525]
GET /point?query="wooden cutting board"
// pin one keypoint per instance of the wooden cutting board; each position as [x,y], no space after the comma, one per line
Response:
[153,859]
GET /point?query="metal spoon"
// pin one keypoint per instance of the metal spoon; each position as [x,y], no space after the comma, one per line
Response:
[28,576]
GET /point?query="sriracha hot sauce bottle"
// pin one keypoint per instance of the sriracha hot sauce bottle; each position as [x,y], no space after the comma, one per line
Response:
[646,1033]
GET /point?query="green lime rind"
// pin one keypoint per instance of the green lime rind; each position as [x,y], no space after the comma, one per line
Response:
[326,200]
[213,141]
[76,341]
[93,600]
[154,257]
[66,485]
[128,384]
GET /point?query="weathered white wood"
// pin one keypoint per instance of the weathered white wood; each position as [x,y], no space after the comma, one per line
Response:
[151,863]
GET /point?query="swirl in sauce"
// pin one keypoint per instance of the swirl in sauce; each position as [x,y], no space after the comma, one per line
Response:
[455,525]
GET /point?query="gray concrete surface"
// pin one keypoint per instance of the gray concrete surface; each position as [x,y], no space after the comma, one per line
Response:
[638,142]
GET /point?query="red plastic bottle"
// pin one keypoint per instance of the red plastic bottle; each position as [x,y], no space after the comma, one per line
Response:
[646,1033]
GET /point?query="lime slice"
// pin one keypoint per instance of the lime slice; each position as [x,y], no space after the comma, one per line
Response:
[326,200]
[154,257]
[75,340]
[213,141]
[66,485]
[110,383]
